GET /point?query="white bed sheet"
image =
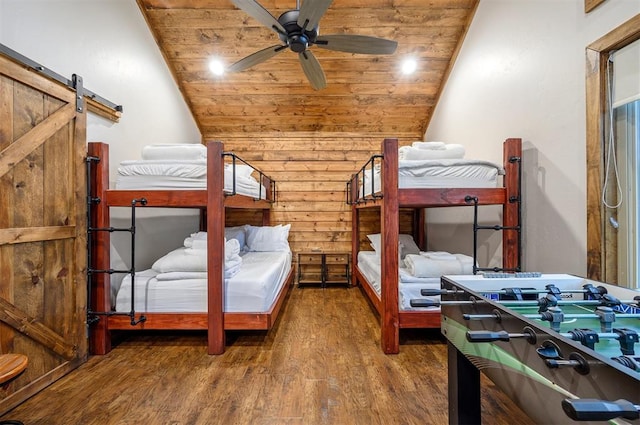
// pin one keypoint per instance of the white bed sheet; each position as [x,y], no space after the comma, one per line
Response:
[189,168]
[244,186]
[253,289]
[180,174]
[409,286]
[453,173]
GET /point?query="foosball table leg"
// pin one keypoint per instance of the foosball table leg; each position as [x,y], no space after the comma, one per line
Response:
[464,389]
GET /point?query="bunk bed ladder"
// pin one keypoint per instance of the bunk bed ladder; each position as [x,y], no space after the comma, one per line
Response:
[518,227]
[94,316]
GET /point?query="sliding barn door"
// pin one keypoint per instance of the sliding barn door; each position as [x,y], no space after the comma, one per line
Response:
[42,229]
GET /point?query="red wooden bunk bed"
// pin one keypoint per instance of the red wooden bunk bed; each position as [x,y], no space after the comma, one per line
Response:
[390,199]
[214,203]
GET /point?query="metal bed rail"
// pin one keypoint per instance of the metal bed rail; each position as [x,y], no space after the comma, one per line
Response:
[263,180]
[356,186]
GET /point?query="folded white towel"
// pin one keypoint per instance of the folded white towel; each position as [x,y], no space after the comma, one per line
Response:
[464,259]
[199,244]
[174,151]
[234,262]
[198,236]
[439,255]
[420,266]
[196,251]
[429,145]
[232,271]
[466,262]
[231,250]
[452,151]
[193,258]
[178,260]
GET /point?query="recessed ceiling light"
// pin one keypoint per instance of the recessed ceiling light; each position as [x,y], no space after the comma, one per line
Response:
[409,66]
[216,67]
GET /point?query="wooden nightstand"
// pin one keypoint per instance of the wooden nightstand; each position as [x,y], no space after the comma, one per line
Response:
[324,268]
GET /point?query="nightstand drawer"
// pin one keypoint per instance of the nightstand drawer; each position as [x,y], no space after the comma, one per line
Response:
[324,268]
[310,258]
[336,258]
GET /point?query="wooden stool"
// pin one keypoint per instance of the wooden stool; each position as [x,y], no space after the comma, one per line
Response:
[11,365]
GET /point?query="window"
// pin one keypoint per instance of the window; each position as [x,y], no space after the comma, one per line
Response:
[625,218]
[613,145]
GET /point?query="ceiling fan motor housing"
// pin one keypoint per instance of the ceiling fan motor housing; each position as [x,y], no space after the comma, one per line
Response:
[296,38]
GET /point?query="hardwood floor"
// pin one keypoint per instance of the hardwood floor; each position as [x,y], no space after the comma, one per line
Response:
[322,364]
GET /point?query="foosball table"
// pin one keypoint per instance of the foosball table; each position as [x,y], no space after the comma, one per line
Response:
[564,348]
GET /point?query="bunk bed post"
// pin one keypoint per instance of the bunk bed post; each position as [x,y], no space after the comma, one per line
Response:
[390,225]
[100,336]
[512,154]
[266,217]
[355,239]
[418,227]
[270,194]
[215,247]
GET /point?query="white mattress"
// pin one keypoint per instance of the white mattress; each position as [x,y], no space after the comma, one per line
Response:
[409,286]
[253,289]
[444,173]
[179,174]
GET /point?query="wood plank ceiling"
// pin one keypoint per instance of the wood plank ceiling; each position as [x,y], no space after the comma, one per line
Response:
[364,93]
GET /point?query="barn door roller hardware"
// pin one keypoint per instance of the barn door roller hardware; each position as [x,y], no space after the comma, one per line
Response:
[77,85]
[25,61]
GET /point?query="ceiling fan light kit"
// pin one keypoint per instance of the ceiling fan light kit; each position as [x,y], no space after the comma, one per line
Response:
[296,37]
[298,30]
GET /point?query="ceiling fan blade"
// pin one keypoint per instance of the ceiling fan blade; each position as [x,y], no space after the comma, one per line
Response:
[256,58]
[312,70]
[262,15]
[357,44]
[311,11]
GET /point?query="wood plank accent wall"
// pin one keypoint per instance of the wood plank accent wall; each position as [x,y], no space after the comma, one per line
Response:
[311,170]
[42,229]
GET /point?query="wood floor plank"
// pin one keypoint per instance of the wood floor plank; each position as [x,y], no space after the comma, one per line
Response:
[321,364]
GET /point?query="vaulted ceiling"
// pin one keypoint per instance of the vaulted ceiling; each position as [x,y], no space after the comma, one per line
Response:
[364,93]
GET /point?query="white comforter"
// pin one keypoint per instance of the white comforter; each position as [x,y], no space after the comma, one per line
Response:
[181,174]
[441,173]
[409,286]
[252,289]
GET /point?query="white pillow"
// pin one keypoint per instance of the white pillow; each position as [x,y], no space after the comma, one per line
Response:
[406,244]
[238,233]
[375,242]
[268,238]
[242,170]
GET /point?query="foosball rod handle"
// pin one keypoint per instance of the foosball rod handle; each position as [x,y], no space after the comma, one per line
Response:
[436,292]
[488,336]
[587,409]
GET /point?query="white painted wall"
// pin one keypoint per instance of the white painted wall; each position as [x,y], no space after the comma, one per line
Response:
[521,73]
[108,43]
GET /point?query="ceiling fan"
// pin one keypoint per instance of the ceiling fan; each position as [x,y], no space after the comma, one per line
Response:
[298,30]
